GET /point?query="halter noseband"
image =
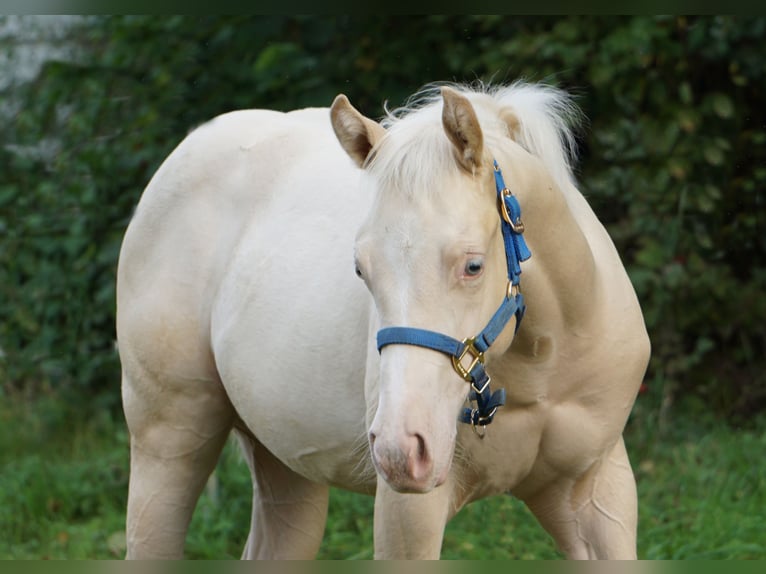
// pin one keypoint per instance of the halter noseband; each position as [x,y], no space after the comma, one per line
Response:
[516,251]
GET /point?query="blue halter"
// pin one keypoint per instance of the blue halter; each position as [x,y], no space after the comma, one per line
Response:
[516,251]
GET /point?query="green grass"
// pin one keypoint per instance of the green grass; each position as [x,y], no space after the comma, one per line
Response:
[64,472]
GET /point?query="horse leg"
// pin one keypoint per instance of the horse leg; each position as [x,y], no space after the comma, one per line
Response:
[175,441]
[410,526]
[289,511]
[595,516]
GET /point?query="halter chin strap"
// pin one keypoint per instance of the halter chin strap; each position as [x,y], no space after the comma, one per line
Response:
[473,349]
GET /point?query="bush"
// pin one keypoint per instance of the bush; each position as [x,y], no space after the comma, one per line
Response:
[674,162]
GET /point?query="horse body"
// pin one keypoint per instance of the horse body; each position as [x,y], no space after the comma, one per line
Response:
[230,224]
[238,308]
[289,269]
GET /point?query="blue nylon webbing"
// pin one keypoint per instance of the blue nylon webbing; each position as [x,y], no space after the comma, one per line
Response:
[420,338]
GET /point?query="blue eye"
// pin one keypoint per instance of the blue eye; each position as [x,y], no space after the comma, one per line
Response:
[474,267]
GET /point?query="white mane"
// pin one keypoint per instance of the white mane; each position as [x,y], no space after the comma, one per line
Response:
[416,153]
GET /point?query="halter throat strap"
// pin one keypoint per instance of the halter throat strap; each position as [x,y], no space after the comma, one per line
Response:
[472,349]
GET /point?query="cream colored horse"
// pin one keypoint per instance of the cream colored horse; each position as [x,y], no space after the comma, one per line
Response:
[238,308]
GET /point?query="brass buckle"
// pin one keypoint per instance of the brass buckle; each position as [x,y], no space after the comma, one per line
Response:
[469,346]
[518,225]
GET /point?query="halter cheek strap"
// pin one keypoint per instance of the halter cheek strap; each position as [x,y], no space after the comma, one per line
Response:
[473,349]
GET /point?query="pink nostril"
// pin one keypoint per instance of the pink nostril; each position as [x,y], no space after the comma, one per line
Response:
[421,452]
[419,460]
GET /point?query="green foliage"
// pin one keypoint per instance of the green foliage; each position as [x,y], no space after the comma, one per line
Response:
[679,180]
[673,162]
[63,487]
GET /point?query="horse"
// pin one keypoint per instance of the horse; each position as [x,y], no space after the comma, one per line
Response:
[424,309]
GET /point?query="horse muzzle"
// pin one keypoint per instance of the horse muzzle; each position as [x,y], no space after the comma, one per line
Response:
[405,461]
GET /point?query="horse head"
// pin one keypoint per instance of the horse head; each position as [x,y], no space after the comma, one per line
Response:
[433,256]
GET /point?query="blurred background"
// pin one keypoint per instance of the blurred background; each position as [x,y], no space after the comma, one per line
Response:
[673,160]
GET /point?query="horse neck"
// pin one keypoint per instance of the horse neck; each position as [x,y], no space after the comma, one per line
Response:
[559,282]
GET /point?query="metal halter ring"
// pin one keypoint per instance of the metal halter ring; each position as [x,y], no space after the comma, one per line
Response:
[475,426]
[479,433]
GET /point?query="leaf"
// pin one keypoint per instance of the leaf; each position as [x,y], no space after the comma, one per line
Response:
[722,106]
[117,543]
[685,93]
[653,255]
[713,155]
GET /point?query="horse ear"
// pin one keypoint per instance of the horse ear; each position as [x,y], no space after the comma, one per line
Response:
[356,133]
[462,127]
[511,120]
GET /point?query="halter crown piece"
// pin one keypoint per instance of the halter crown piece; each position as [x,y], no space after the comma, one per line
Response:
[516,251]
